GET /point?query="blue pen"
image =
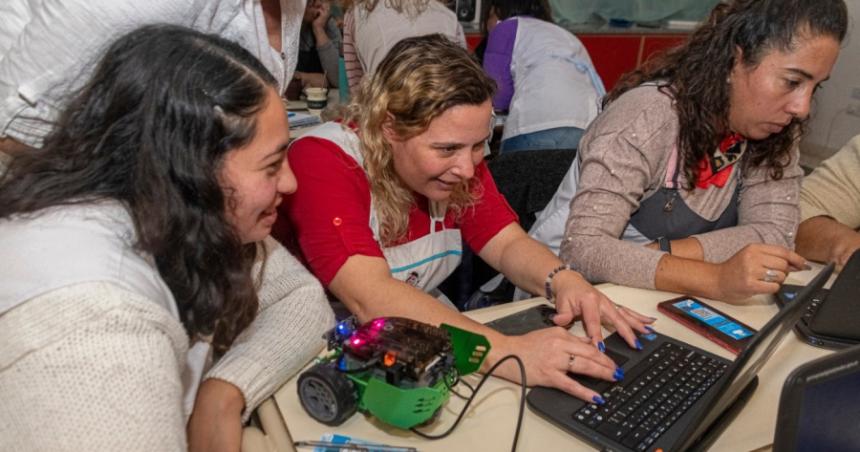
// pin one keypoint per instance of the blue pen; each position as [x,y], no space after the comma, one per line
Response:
[290,114]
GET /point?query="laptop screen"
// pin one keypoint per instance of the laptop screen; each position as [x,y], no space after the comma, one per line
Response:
[829,411]
[751,360]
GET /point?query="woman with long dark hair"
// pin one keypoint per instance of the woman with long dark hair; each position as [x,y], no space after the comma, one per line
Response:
[695,157]
[138,277]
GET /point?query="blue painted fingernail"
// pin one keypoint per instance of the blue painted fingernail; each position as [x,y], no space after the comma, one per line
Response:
[619,374]
[598,400]
[648,327]
[638,344]
[601,347]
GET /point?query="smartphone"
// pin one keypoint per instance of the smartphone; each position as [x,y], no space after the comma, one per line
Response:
[725,331]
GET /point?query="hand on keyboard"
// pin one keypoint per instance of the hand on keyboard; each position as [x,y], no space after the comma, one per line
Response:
[550,353]
[575,297]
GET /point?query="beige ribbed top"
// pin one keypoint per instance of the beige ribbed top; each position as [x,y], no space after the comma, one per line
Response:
[833,189]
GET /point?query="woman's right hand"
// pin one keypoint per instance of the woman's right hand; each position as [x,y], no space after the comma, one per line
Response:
[756,269]
[549,354]
[576,297]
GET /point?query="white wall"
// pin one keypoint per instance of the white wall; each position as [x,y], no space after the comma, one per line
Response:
[831,125]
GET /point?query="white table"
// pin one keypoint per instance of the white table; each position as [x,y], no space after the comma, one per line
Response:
[490,422]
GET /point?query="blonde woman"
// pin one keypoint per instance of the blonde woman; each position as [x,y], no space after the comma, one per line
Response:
[386,198]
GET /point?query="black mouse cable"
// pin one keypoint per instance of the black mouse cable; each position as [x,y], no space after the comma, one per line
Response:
[475,392]
[466,384]
[458,381]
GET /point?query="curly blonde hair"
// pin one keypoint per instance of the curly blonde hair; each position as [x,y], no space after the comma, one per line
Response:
[418,80]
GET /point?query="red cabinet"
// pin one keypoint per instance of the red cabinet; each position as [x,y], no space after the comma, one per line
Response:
[472,40]
[612,55]
[615,54]
[654,44]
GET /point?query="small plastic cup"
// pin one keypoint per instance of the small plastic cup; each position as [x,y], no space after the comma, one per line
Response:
[317,99]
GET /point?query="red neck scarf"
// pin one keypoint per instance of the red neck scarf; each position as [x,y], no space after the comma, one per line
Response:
[716,168]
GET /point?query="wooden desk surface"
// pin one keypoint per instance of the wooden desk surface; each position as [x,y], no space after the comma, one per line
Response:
[490,422]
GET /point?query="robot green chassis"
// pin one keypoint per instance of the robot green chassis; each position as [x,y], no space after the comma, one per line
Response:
[398,370]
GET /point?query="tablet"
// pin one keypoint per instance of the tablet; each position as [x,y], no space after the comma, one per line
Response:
[820,405]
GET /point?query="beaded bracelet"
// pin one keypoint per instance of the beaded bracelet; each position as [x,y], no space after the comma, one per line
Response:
[548,282]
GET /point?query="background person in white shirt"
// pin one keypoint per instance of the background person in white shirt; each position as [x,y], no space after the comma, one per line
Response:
[47,48]
[372,27]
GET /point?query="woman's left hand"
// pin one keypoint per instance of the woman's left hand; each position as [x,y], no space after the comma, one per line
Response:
[216,422]
[576,297]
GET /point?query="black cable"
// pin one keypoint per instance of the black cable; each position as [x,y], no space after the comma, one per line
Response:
[461,396]
[450,386]
[475,392]
[466,384]
[457,380]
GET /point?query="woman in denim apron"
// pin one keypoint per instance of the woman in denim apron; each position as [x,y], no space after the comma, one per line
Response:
[410,155]
[695,156]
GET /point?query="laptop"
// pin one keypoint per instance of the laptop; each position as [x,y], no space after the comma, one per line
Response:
[831,319]
[820,405]
[674,396]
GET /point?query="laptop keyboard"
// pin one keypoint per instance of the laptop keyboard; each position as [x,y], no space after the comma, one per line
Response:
[654,394]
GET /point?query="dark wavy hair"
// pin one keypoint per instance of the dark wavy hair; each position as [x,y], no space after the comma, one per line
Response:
[151,128]
[539,9]
[695,73]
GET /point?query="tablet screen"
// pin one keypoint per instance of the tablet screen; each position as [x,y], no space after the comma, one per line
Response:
[829,413]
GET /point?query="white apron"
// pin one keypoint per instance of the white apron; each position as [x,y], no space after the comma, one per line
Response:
[423,263]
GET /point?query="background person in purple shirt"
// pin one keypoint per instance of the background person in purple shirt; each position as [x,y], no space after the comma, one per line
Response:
[545,78]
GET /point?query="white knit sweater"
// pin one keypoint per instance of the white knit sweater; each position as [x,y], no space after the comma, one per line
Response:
[95,367]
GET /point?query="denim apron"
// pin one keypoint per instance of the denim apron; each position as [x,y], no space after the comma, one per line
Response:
[665,214]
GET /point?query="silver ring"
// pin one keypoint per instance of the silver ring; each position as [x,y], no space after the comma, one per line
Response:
[769,275]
